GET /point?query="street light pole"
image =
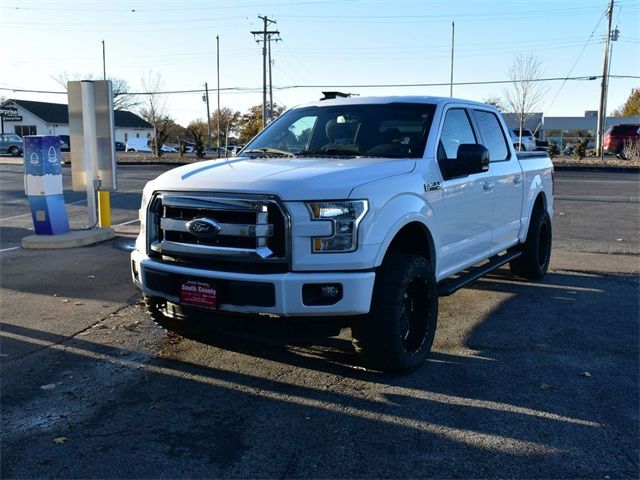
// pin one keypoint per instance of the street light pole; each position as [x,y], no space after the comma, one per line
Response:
[206,99]
[453,42]
[218,88]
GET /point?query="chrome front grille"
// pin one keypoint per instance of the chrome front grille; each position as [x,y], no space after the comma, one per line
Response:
[217,227]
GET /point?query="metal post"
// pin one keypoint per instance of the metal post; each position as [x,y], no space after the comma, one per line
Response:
[90,147]
[453,41]
[104,64]
[206,94]
[218,88]
[104,200]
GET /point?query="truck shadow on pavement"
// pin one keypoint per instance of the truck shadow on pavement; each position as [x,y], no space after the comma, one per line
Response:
[529,381]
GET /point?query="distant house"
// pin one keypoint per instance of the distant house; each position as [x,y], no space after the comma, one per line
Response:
[26,117]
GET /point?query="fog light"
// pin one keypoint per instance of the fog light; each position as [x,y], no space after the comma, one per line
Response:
[330,291]
[314,294]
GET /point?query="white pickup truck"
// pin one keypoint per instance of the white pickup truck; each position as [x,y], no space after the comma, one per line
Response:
[359,210]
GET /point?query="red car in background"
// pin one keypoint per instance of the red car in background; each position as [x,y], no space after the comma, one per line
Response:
[618,137]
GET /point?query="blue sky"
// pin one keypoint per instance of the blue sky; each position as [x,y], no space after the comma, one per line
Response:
[324,42]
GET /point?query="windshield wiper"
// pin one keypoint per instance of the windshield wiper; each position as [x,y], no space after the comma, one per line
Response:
[268,151]
[332,152]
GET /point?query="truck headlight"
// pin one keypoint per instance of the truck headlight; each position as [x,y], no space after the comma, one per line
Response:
[141,240]
[346,216]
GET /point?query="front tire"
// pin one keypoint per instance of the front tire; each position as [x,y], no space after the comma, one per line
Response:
[15,151]
[397,335]
[536,250]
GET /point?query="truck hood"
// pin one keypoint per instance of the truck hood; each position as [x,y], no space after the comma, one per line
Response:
[289,178]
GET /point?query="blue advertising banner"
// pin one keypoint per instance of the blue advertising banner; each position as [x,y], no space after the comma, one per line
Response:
[43,184]
[42,155]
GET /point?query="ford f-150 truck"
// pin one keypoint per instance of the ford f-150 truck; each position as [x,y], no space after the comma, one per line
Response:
[362,210]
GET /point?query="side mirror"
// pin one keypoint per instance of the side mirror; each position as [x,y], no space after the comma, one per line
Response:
[472,158]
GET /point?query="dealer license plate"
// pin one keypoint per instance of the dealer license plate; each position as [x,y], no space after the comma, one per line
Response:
[198,293]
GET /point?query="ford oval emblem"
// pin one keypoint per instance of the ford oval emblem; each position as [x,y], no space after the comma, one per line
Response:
[203,227]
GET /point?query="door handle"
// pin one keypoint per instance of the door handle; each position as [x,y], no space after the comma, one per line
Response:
[488,186]
[517,179]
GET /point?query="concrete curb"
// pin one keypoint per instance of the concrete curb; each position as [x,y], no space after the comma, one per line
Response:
[567,168]
[78,238]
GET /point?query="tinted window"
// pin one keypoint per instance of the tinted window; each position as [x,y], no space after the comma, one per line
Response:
[385,130]
[455,132]
[492,135]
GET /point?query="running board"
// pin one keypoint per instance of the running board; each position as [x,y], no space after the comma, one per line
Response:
[449,287]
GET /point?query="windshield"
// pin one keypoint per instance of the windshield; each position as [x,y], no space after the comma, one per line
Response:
[396,130]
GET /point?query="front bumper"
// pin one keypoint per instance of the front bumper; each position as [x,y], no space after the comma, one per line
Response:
[276,294]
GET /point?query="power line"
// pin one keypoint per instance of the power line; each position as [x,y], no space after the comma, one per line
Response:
[371,85]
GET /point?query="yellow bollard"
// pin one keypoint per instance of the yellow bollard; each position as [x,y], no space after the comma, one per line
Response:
[104,209]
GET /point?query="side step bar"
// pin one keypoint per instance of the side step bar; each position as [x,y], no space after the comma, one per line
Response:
[449,287]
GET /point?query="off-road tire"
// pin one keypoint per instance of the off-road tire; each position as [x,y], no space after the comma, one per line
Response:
[397,334]
[536,250]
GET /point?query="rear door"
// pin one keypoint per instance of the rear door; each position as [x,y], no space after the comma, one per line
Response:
[467,200]
[507,180]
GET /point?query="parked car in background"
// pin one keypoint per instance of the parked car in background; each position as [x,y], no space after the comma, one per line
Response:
[120,147]
[619,136]
[527,143]
[138,145]
[168,149]
[65,143]
[11,143]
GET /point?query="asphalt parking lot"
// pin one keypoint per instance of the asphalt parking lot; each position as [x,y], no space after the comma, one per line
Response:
[525,379]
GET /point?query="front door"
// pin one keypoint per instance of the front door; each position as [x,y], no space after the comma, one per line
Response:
[467,201]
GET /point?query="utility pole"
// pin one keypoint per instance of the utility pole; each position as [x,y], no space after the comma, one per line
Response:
[602,109]
[453,42]
[270,117]
[206,99]
[266,36]
[218,89]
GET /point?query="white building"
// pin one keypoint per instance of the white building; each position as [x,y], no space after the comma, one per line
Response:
[567,130]
[26,117]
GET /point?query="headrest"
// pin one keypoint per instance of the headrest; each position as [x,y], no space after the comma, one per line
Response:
[337,130]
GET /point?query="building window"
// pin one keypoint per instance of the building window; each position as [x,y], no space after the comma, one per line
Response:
[24,130]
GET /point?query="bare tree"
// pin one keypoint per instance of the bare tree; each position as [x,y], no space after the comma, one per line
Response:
[154,106]
[122,99]
[526,92]
[496,102]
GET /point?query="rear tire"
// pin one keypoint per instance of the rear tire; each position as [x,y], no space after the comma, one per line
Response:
[396,336]
[536,250]
[15,151]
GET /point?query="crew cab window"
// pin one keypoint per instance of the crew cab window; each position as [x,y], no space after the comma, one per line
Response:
[492,135]
[455,132]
